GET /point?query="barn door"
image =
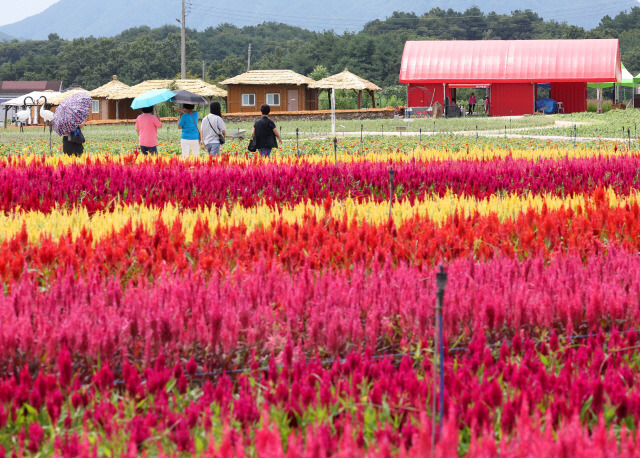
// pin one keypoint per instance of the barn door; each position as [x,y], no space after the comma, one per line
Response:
[293,100]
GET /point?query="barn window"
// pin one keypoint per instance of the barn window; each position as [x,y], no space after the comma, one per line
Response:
[248,100]
[273,99]
[95,106]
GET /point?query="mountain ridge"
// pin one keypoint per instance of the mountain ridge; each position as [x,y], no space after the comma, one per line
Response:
[6,37]
[83,18]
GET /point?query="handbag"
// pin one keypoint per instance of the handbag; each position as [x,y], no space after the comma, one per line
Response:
[76,137]
[221,138]
[252,145]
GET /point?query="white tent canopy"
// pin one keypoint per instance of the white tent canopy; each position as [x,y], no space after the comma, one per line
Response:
[19,101]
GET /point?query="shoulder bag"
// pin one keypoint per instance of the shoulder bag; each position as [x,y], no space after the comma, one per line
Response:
[221,138]
[252,145]
[76,137]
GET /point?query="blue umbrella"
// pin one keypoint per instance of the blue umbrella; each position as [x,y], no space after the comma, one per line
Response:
[152,97]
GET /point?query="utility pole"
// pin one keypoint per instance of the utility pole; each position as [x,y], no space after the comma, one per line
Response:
[249,58]
[183,50]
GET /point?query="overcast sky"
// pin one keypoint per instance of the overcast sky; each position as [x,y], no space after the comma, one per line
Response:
[13,11]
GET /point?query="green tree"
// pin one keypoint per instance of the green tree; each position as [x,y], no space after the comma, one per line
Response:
[232,65]
[319,73]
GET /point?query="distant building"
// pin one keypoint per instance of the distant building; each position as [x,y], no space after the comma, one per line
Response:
[11,89]
[283,90]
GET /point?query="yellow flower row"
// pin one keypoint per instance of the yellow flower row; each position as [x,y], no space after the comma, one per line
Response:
[472,153]
[63,221]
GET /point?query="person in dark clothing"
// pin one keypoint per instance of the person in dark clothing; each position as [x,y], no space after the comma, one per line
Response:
[472,103]
[265,132]
[71,148]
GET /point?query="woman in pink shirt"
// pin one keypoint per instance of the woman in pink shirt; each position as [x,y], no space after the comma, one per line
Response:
[147,126]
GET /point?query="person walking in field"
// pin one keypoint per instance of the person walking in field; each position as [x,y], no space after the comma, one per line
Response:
[147,126]
[472,103]
[265,132]
[213,129]
[72,143]
[188,124]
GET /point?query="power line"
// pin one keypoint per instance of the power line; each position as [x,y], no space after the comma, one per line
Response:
[353,23]
[586,10]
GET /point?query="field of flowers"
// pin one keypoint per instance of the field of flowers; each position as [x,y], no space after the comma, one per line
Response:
[240,306]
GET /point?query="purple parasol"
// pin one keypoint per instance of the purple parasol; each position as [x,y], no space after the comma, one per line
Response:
[72,111]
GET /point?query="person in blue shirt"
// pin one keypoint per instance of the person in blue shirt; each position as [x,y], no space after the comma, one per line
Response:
[190,137]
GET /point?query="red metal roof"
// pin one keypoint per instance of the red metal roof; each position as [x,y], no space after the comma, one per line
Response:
[24,87]
[515,61]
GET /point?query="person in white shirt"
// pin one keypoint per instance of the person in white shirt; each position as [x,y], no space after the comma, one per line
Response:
[213,129]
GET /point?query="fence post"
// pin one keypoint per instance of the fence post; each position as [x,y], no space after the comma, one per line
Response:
[361,129]
[382,131]
[420,138]
[335,149]
[438,353]
[476,132]
[629,135]
[391,175]
[297,142]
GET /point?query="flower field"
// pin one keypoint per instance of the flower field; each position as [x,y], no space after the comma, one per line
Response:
[239,306]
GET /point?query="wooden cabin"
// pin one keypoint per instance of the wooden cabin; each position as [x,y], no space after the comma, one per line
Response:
[283,90]
[104,107]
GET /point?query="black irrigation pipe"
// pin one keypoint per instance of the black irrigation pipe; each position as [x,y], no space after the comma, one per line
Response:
[374,357]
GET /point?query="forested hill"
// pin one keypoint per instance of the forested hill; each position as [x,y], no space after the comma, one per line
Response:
[374,52]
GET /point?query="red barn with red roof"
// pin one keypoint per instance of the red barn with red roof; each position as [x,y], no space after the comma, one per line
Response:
[510,71]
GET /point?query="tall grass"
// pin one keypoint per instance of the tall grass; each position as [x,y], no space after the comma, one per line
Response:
[592,105]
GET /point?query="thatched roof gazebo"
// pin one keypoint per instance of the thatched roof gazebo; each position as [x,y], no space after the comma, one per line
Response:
[196,86]
[345,81]
[283,90]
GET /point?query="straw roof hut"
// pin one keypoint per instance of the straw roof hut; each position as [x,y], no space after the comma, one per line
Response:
[283,90]
[103,107]
[112,88]
[268,78]
[56,99]
[346,80]
[196,86]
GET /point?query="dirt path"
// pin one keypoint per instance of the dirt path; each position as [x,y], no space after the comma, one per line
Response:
[486,133]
